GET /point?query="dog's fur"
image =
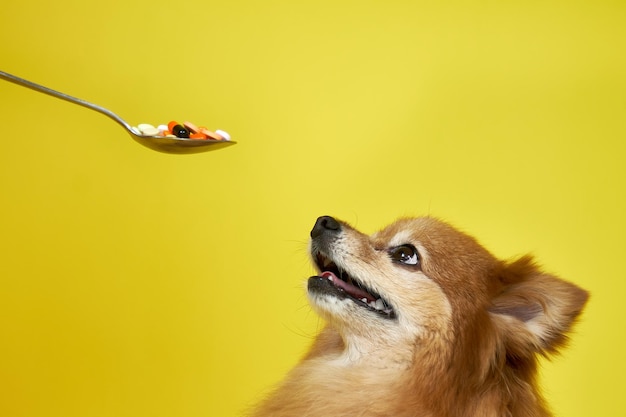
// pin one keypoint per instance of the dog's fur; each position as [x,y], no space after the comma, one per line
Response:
[462,338]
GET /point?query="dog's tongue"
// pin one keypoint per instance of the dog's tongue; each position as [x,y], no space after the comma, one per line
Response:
[355,292]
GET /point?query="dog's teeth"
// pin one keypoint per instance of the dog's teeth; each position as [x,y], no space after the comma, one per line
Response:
[364,300]
[378,304]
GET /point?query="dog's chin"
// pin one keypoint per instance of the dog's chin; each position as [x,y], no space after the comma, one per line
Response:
[336,284]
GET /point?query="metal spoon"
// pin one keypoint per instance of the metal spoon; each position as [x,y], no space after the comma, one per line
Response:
[157,143]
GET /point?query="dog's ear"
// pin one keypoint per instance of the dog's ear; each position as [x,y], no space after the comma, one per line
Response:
[534,311]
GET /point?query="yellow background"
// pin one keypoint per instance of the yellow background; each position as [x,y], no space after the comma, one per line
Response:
[134,283]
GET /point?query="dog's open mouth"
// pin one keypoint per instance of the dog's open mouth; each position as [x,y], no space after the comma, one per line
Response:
[343,284]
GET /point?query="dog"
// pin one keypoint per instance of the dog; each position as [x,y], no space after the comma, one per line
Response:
[422,321]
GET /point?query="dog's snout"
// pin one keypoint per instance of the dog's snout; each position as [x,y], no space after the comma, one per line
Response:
[325,224]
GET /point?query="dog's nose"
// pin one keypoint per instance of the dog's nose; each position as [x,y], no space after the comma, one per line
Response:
[325,224]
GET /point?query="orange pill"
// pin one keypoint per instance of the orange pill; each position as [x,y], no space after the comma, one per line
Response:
[193,128]
[198,135]
[170,125]
[211,135]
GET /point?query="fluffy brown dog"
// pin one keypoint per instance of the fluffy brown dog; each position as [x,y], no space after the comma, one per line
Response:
[423,322]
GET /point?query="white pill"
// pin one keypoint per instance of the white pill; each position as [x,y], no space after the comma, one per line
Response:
[147,129]
[162,128]
[135,130]
[150,131]
[223,134]
[143,126]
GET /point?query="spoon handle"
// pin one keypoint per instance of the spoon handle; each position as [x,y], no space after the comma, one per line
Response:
[62,96]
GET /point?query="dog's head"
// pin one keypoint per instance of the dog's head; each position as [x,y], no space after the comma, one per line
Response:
[419,280]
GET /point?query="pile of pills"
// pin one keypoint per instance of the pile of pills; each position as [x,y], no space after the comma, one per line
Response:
[185,130]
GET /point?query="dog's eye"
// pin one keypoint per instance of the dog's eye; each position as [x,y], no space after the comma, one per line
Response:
[405,254]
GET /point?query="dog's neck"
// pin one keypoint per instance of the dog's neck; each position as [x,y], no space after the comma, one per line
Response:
[375,351]
[358,371]
[381,350]
[418,378]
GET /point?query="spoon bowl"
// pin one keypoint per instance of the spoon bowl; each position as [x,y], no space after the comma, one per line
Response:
[179,145]
[157,143]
